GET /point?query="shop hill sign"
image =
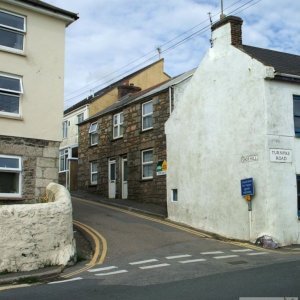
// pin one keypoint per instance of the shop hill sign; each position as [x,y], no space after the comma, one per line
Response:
[161,168]
[281,155]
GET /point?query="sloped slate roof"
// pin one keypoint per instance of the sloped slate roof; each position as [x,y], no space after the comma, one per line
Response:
[108,88]
[282,62]
[150,92]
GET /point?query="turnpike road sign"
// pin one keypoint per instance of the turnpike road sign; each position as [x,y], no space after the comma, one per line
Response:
[247,187]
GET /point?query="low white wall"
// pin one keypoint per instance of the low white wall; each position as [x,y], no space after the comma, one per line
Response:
[33,236]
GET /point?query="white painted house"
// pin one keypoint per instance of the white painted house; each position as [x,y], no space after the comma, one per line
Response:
[238,118]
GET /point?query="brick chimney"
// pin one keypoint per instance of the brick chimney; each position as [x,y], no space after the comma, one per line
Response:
[236,28]
[126,88]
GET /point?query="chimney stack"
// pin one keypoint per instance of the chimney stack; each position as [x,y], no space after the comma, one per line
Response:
[236,28]
[125,89]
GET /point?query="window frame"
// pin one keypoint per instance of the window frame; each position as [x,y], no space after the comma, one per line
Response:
[14,30]
[147,115]
[298,194]
[147,163]
[92,172]
[65,129]
[296,115]
[12,93]
[13,170]
[118,125]
[65,155]
[93,133]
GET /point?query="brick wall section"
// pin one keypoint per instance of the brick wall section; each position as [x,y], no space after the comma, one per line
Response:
[39,164]
[133,142]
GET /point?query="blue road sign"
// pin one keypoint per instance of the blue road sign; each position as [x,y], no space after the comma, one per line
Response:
[247,187]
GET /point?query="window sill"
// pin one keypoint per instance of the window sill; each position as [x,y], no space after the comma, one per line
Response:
[12,198]
[145,130]
[92,146]
[146,179]
[14,117]
[13,51]
[117,138]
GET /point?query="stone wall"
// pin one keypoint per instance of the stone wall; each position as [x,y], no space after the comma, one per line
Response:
[134,140]
[39,164]
[33,236]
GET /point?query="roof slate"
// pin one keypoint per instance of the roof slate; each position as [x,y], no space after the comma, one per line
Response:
[282,62]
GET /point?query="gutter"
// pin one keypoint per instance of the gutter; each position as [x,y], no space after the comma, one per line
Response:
[287,77]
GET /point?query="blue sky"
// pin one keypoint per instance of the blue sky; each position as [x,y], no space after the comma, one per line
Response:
[113,38]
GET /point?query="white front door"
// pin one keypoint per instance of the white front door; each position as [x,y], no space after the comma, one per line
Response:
[124,178]
[111,179]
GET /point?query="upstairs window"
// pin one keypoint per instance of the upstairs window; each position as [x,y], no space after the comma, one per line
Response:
[65,129]
[80,118]
[118,128]
[147,164]
[93,132]
[12,31]
[10,176]
[297,115]
[10,93]
[147,115]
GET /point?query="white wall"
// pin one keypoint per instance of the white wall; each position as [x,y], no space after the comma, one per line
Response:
[42,69]
[33,236]
[72,138]
[222,119]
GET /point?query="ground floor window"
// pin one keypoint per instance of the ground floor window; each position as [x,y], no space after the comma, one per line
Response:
[174,195]
[10,176]
[298,195]
[63,160]
[94,172]
[147,164]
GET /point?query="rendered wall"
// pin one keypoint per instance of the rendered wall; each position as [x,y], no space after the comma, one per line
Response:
[226,116]
[33,236]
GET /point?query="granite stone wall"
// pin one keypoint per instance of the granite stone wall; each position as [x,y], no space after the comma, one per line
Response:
[39,164]
[134,140]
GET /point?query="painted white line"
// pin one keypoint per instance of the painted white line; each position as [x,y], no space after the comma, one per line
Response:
[143,262]
[9,287]
[154,266]
[67,280]
[103,269]
[241,250]
[225,256]
[192,260]
[178,256]
[257,253]
[112,273]
[213,252]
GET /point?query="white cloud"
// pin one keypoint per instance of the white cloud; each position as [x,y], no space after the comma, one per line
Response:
[112,33]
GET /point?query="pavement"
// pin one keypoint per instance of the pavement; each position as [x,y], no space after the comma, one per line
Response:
[84,248]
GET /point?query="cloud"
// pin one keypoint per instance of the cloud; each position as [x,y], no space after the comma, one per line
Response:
[112,33]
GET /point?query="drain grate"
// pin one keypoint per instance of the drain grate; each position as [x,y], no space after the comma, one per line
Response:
[238,262]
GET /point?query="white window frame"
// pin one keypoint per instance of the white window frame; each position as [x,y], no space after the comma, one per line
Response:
[12,93]
[13,170]
[93,131]
[65,154]
[145,115]
[118,124]
[147,163]
[65,129]
[93,172]
[14,30]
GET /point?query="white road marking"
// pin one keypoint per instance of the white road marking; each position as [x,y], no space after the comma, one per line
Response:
[257,253]
[9,287]
[112,273]
[225,256]
[213,252]
[178,256]
[103,269]
[192,260]
[67,280]
[241,250]
[154,266]
[143,262]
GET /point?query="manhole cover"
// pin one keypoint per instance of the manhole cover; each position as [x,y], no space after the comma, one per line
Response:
[238,262]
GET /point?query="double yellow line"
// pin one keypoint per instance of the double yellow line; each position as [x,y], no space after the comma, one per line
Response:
[100,248]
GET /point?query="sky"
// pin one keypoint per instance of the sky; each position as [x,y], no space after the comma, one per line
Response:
[114,38]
